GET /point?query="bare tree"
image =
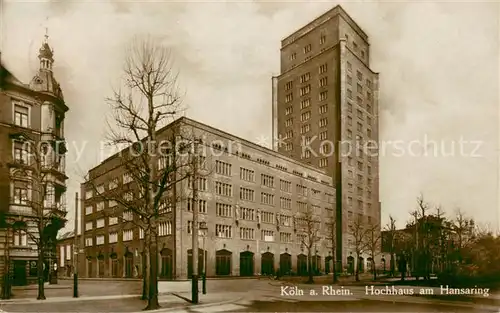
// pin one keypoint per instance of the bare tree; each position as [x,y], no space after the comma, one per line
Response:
[358,231]
[391,241]
[148,100]
[372,243]
[41,167]
[308,230]
[331,237]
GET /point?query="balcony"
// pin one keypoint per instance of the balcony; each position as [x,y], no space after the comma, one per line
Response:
[20,209]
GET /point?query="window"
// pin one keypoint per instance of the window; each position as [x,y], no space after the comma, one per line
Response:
[286,237]
[223,189]
[99,240]
[323,122]
[165,228]
[322,39]
[350,173]
[302,190]
[349,80]
[359,127]
[89,242]
[164,162]
[360,166]
[267,235]
[289,146]
[201,183]
[369,120]
[21,115]
[362,54]
[20,196]
[247,194]
[305,90]
[99,223]
[128,215]
[289,122]
[285,185]
[323,81]
[323,95]
[289,98]
[289,110]
[369,108]
[306,154]
[305,77]
[266,198]
[349,66]
[359,75]
[21,153]
[323,162]
[301,206]
[113,220]
[369,170]
[88,194]
[223,231]
[222,168]
[355,45]
[88,210]
[289,85]
[285,203]
[99,206]
[323,109]
[247,214]
[323,68]
[305,116]
[304,103]
[88,225]
[369,96]
[247,175]
[100,189]
[349,134]
[127,178]
[305,128]
[224,210]
[247,233]
[349,93]
[293,56]
[128,235]
[349,120]
[113,184]
[349,161]
[267,180]
[307,48]
[288,134]
[202,206]
[267,217]
[20,238]
[141,233]
[113,237]
[323,135]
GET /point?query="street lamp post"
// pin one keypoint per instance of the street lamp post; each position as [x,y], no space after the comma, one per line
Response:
[204,232]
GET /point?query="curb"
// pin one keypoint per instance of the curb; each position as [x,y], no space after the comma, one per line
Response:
[201,306]
[447,303]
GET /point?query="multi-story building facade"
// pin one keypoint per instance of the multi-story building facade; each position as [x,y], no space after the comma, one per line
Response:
[65,254]
[30,113]
[327,93]
[248,196]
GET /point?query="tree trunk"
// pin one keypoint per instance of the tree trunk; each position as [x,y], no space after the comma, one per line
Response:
[393,264]
[357,267]
[310,280]
[41,278]
[145,274]
[374,269]
[153,303]
[334,267]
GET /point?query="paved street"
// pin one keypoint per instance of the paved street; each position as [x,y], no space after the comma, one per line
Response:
[243,295]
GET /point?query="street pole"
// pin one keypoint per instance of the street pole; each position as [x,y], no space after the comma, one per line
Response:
[194,277]
[204,277]
[75,251]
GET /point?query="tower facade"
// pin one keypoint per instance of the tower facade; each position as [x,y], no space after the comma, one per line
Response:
[326,93]
[32,170]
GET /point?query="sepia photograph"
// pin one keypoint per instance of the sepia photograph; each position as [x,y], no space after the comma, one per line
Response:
[249,156]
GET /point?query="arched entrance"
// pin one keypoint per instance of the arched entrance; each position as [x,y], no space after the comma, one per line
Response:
[129,264]
[246,263]
[302,264]
[285,264]
[361,264]
[200,261]
[350,264]
[166,264]
[369,264]
[316,264]
[328,266]
[383,264]
[267,263]
[100,265]
[114,264]
[223,262]
[90,270]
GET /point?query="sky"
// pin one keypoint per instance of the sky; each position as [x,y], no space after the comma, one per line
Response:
[438,65]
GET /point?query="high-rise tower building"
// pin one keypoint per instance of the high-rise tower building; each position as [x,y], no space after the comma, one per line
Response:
[326,93]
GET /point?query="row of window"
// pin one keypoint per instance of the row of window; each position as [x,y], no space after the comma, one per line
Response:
[163,229]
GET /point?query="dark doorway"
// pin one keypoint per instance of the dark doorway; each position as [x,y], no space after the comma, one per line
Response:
[114,265]
[369,263]
[350,265]
[90,270]
[302,265]
[20,268]
[285,264]
[100,265]
[267,263]
[166,264]
[316,264]
[129,264]
[361,264]
[200,261]
[246,263]
[328,266]
[223,262]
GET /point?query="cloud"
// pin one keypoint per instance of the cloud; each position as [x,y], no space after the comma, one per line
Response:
[438,65]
